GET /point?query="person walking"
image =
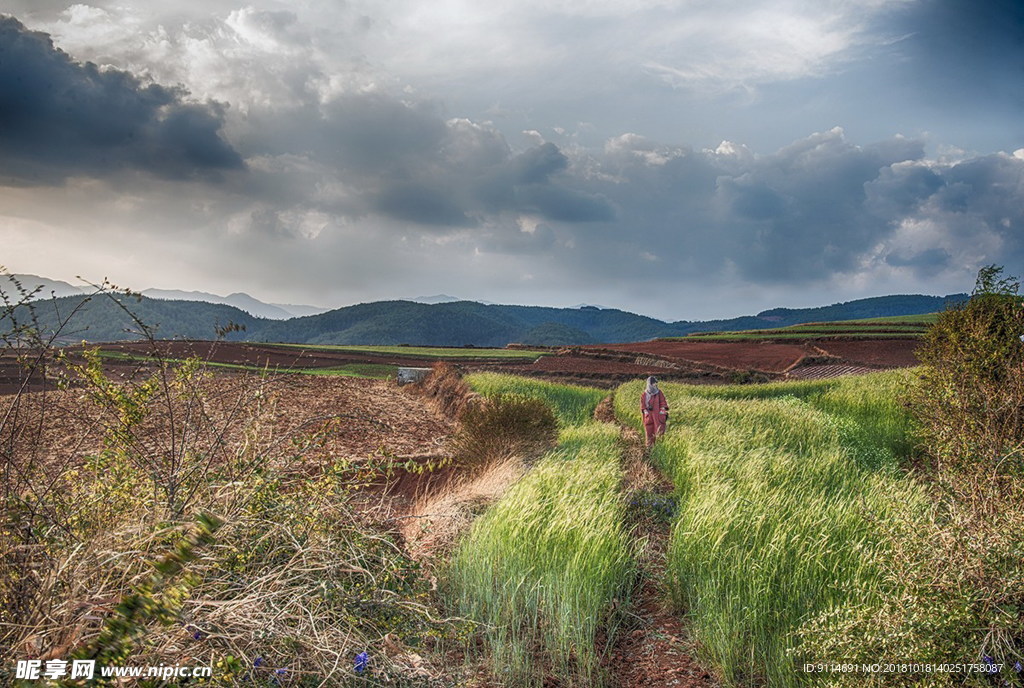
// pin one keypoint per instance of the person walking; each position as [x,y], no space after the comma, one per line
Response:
[654,408]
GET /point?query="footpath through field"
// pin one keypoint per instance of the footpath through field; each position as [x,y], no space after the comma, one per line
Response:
[656,648]
[563,573]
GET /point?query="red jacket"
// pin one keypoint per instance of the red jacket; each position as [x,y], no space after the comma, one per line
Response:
[654,410]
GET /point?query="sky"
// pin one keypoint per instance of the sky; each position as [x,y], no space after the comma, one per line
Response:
[684,159]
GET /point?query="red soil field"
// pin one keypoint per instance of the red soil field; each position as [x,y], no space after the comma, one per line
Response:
[282,357]
[356,416]
[888,353]
[767,356]
[586,364]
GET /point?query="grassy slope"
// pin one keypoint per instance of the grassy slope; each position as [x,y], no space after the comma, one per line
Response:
[893,327]
[542,566]
[776,484]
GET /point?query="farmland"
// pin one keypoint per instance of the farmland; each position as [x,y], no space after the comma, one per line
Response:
[359,517]
[893,327]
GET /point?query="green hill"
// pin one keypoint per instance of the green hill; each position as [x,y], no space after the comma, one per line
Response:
[457,323]
[106,318]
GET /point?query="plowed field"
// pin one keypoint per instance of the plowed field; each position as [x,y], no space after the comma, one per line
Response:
[331,417]
[888,353]
[770,356]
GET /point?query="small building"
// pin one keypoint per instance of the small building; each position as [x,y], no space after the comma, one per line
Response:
[407,375]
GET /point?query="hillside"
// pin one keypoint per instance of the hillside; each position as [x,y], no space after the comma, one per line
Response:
[458,323]
[106,318]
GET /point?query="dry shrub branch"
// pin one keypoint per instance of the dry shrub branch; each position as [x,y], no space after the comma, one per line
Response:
[105,478]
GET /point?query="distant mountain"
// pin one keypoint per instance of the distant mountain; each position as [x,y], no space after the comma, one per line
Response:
[443,298]
[43,286]
[298,311]
[456,323]
[108,317]
[460,323]
[240,300]
[877,307]
[436,298]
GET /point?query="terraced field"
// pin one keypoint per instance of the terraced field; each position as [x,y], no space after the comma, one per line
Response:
[912,327]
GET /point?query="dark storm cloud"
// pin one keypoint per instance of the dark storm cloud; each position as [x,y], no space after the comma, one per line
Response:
[404,161]
[812,216]
[537,164]
[372,132]
[59,118]
[928,260]
[565,205]
[965,54]
[797,214]
[421,204]
[820,207]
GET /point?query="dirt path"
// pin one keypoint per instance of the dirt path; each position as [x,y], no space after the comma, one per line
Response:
[655,647]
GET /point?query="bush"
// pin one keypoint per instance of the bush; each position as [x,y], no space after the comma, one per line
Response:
[971,399]
[499,427]
[952,570]
[99,557]
[446,388]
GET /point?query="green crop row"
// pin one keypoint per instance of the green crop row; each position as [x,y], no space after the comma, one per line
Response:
[778,487]
[891,327]
[541,568]
[572,404]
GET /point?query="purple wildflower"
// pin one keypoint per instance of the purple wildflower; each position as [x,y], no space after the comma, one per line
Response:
[362,662]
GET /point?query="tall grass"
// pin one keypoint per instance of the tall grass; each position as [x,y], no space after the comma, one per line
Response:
[542,567]
[870,409]
[572,404]
[779,486]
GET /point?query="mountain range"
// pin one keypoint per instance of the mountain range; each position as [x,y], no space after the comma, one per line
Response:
[111,317]
[47,288]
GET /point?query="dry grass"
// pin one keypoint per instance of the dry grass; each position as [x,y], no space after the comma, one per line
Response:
[435,521]
[297,579]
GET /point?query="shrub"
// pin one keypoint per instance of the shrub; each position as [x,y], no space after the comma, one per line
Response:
[100,480]
[951,587]
[499,427]
[971,398]
[446,388]
[572,404]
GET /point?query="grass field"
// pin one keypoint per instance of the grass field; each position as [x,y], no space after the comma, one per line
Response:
[376,371]
[541,568]
[572,404]
[894,327]
[922,319]
[778,488]
[420,351]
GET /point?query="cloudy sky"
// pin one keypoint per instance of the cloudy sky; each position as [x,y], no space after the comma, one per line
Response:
[685,159]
